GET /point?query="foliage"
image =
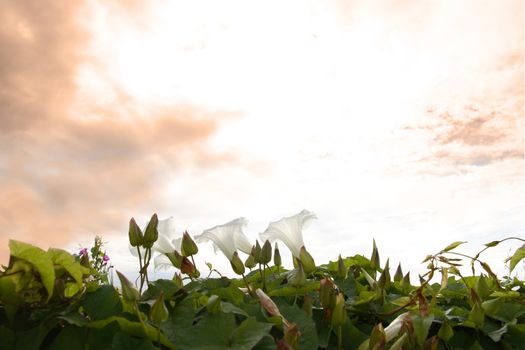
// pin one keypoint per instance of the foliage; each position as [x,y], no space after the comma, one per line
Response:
[55,300]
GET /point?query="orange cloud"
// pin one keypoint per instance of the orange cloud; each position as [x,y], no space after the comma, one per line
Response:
[62,173]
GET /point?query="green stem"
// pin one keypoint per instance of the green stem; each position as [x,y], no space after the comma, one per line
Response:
[339,337]
[141,272]
[247,285]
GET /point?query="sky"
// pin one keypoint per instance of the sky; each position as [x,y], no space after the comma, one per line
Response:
[397,121]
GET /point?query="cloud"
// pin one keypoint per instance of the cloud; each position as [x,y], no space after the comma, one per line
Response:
[73,164]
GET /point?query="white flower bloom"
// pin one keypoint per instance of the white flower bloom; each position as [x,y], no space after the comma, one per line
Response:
[394,327]
[227,237]
[289,230]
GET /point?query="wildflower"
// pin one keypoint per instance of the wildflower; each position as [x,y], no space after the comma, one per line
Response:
[83,252]
[290,231]
[228,238]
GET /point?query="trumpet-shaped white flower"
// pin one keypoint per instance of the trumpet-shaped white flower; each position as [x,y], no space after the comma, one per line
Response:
[227,237]
[394,327]
[289,230]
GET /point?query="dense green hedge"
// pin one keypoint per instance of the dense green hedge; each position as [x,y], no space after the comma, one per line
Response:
[57,300]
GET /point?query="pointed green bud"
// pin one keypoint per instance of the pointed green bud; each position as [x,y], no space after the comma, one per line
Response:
[266,253]
[187,267]
[135,234]
[339,313]
[188,246]
[237,265]
[307,261]
[308,305]
[377,337]
[175,258]
[405,282]
[151,234]
[159,311]
[291,337]
[256,252]
[214,304]
[342,270]
[327,294]
[129,292]
[384,279]
[398,276]
[250,262]
[297,277]
[277,256]
[177,279]
[374,259]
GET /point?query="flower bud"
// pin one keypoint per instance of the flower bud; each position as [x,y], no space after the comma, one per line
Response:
[151,234]
[297,277]
[177,279]
[341,268]
[307,261]
[374,259]
[307,305]
[159,312]
[291,336]
[214,304]
[384,279]
[250,262]
[339,313]
[135,234]
[188,246]
[267,303]
[237,265]
[277,256]
[327,293]
[175,258]
[398,276]
[187,267]
[129,292]
[256,252]
[266,253]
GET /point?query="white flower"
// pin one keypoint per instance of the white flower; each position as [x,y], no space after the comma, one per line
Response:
[394,327]
[289,230]
[227,237]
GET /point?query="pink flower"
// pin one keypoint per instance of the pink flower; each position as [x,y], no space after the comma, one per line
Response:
[105,259]
[83,252]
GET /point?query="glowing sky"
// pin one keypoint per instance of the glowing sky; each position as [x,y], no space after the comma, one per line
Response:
[399,121]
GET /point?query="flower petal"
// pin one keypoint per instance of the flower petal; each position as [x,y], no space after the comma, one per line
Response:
[162,262]
[289,230]
[227,237]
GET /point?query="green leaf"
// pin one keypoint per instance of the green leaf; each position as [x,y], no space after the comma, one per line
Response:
[70,337]
[8,338]
[309,286]
[132,328]
[212,332]
[249,333]
[492,244]
[452,246]
[519,254]
[308,339]
[515,335]
[67,261]
[227,307]
[102,303]
[477,316]
[40,260]
[122,341]
[421,327]
[445,331]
